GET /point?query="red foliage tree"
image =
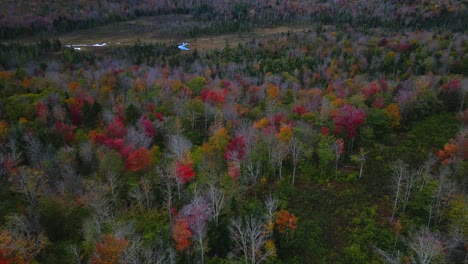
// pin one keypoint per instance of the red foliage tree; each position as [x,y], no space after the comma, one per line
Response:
[370,90]
[234,169]
[235,150]
[116,128]
[148,126]
[379,102]
[339,143]
[74,107]
[116,144]
[383,85]
[278,119]
[185,172]
[138,160]
[110,250]
[67,131]
[4,259]
[42,111]
[299,109]
[325,130]
[349,118]
[450,87]
[213,97]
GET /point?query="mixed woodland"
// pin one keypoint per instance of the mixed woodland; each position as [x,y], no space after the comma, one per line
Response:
[343,144]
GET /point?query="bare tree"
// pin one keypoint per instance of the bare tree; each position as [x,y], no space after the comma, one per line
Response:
[251,166]
[68,182]
[360,158]
[86,153]
[9,157]
[442,196]
[216,201]
[98,201]
[279,153]
[296,150]
[271,204]
[35,150]
[179,146]
[408,184]
[138,253]
[249,134]
[463,91]
[197,214]
[123,230]
[426,246]
[142,193]
[389,258]
[169,180]
[114,184]
[424,172]
[337,150]
[137,138]
[457,238]
[398,176]
[252,169]
[250,236]
[59,112]
[30,184]
[403,182]
[76,253]
[14,151]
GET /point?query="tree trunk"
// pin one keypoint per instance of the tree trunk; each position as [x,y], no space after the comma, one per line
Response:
[294,172]
[280,165]
[202,253]
[360,170]
[396,198]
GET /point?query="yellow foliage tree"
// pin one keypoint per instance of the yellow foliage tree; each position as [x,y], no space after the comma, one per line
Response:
[220,139]
[393,112]
[262,123]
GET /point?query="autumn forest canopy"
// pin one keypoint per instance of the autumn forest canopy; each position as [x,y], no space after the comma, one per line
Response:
[343,143]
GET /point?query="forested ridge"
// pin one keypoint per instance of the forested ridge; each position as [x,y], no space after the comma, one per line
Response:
[19,18]
[343,144]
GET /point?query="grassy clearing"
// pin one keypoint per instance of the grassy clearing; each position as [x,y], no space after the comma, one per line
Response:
[154,29]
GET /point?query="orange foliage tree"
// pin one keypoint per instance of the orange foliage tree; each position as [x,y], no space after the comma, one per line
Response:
[447,154]
[272,91]
[285,133]
[182,234]
[109,250]
[139,160]
[285,221]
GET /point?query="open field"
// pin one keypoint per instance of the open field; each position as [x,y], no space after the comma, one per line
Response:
[150,30]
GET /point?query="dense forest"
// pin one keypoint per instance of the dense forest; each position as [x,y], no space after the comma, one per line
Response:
[343,144]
